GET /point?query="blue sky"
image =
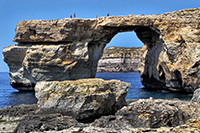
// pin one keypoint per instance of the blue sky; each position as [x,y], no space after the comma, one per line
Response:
[13,11]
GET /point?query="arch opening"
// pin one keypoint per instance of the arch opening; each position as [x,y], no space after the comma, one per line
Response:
[152,76]
[153,73]
[121,54]
[125,39]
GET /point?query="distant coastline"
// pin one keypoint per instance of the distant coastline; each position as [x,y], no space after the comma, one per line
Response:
[119,59]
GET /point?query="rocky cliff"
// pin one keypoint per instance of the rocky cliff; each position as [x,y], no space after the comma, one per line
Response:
[70,49]
[119,59]
[30,63]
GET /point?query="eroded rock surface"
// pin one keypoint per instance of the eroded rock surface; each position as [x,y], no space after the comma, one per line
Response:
[119,59]
[196,96]
[46,62]
[11,116]
[84,98]
[143,115]
[170,58]
[150,114]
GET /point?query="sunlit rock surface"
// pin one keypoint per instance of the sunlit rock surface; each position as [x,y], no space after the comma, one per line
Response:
[119,59]
[46,62]
[169,60]
[84,98]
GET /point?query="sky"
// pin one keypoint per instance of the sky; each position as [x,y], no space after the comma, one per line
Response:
[13,11]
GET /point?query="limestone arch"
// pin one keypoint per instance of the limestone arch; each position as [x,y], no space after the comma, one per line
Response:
[153,45]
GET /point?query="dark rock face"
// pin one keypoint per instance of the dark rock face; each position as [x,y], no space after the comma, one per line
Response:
[142,115]
[11,116]
[147,114]
[44,121]
[119,59]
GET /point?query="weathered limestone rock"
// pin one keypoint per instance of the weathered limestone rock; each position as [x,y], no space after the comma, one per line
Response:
[84,98]
[143,115]
[150,114]
[196,96]
[45,121]
[119,59]
[11,116]
[46,62]
[169,59]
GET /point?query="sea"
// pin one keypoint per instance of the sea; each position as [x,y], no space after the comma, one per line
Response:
[12,97]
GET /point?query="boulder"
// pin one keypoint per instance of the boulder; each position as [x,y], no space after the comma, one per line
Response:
[169,57]
[84,98]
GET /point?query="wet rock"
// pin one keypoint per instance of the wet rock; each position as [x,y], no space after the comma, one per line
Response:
[84,99]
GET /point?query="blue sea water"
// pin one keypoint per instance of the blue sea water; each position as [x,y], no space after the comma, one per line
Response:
[136,90]
[10,96]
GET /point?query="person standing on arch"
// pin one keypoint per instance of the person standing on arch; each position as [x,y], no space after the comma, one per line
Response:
[74,15]
[70,15]
[108,14]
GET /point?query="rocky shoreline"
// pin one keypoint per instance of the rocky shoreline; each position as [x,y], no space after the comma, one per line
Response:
[58,60]
[142,115]
[97,105]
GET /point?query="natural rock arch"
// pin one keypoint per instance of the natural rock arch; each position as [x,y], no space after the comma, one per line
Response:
[153,45]
[69,49]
